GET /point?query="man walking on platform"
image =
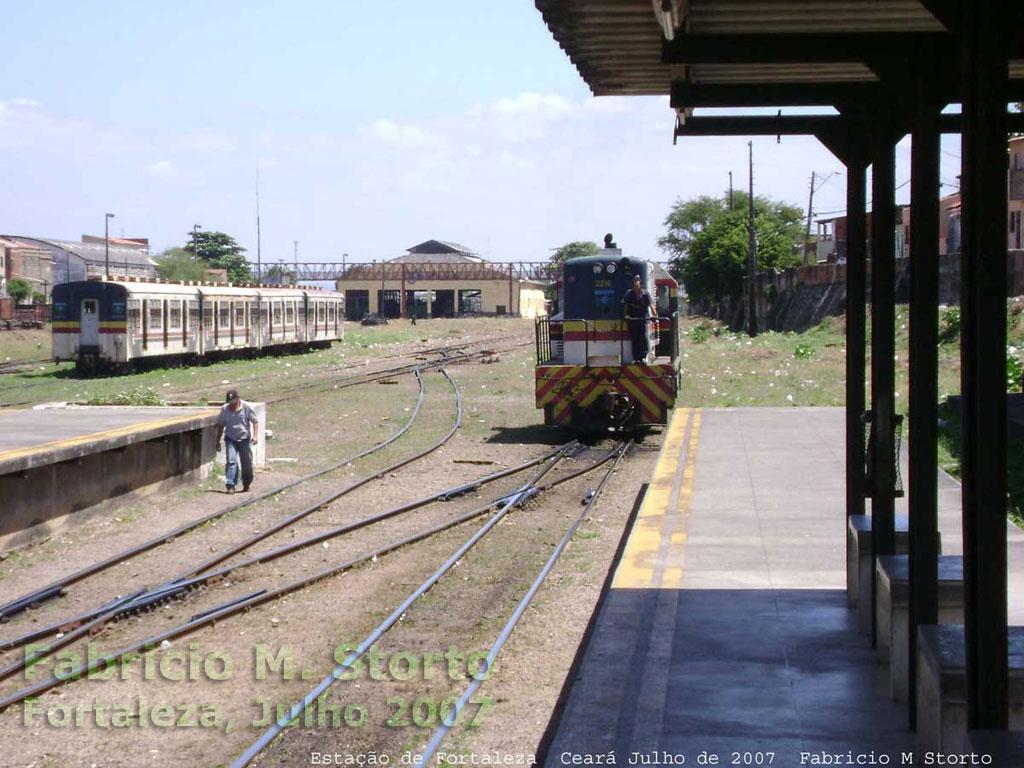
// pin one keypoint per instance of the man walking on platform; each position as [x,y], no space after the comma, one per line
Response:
[637,305]
[238,426]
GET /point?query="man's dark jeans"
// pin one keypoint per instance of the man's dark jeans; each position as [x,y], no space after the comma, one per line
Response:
[237,451]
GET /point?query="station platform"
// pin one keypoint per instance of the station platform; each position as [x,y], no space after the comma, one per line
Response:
[726,631]
[56,461]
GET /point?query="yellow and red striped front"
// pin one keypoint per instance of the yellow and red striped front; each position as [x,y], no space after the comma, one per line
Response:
[652,387]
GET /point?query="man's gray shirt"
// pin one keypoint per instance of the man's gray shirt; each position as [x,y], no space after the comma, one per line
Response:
[237,424]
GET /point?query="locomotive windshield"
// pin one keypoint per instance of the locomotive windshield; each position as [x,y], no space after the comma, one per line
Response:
[595,285]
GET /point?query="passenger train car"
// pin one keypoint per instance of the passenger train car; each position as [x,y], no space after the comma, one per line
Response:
[586,377]
[105,324]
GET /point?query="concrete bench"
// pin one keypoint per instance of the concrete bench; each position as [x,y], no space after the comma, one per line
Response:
[942,689]
[892,610]
[858,564]
[1006,748]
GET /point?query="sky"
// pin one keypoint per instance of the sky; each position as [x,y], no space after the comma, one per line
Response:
[373,127]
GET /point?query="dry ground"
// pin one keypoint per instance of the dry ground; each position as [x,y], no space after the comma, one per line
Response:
[467,609]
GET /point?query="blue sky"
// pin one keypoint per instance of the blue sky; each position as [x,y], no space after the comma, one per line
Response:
[375,126]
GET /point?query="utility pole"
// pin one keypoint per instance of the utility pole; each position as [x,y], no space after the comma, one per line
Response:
[807,234]
[259,259]
[295,280]
[730,190]
[752,248]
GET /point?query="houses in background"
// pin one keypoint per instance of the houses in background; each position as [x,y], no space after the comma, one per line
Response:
[832,232]
[46,261]
[25,262]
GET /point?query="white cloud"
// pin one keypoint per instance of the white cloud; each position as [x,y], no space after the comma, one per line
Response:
[160,169]
[210,141]
[543,104]
[404,134]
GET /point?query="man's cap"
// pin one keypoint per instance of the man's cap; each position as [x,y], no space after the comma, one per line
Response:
[231,395]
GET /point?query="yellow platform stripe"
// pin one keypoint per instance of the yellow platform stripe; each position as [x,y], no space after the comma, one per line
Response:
[659,532]
[672,576]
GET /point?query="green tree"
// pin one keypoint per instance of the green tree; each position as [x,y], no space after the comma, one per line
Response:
[278,275]
[573,250]
[708,242]
[220,251]
[19,289]
[179,264]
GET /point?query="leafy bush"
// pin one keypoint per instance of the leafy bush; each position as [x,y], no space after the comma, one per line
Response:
[18,289]
[1014,372]
[699,334]
[949,326]
[803,351]
[137,396]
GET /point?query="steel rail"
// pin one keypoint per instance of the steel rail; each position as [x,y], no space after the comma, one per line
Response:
[14,606]
[179,587]
[117,608]
[55,589]
[369,361]
[238,606]
[69,632]
[589,500]
[516,499]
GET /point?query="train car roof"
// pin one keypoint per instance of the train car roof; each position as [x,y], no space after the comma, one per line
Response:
[145,286]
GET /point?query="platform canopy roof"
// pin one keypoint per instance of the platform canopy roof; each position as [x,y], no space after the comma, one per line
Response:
[757,52]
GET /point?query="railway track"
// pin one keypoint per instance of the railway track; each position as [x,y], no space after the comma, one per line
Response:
[500,506]
[16,366]
[446,353]
[58,588]
[70,629]
[529,490]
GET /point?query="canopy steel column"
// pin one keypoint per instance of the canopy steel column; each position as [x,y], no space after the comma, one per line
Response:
[883,340]
[856,327]
[984,37]
[924,370]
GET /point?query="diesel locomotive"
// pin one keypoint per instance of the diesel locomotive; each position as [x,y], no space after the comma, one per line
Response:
[586,377]
[112,325]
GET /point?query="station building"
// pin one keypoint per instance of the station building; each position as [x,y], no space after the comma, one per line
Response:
[439,279]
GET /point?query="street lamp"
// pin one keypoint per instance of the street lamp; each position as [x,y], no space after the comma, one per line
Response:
[106,242]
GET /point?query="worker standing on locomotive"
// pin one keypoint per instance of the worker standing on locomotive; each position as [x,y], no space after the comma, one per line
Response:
[238,426]
[636,307]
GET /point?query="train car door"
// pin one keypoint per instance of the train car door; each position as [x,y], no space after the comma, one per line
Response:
[90,333]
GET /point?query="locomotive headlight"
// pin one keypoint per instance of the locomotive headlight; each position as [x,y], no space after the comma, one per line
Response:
[597,269]
[611,269]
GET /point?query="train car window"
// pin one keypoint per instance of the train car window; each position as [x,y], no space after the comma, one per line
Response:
[330,311]
[239,314]
[277,313]
[208,315]
[193,314]
[225,314]
[289,314]
[174,316]
[662,301]
[320,312]
[134,315]
[263,315]
[156,315]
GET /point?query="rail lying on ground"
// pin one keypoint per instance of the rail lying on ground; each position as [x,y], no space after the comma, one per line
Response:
[517,498]
[504,503]
[56,588]
[76,627]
